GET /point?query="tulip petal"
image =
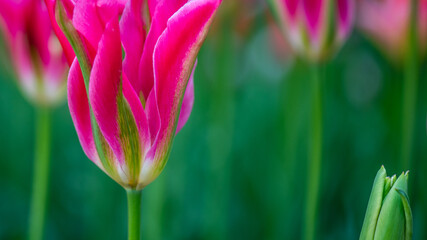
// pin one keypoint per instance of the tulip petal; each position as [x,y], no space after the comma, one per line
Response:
[153,115]
[68,50]
[134,132]
[87,22]
[164,9]
[12,14]
[39,37]
[344,17]
[132,36]
[313,10]
[80,112]
[152,4]
[104,86]
[109,8]
[102,154]
[187,103]
[174,57]
[291,7]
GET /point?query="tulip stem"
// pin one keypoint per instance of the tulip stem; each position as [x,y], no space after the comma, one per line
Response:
[315,156]
[40,175]
[410,89]
[134,214]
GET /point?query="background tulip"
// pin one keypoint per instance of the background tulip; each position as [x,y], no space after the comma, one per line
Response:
[399,29]
[40,68]
[315,28]
[386,23]
[35,52]
[127,106]
[388,215]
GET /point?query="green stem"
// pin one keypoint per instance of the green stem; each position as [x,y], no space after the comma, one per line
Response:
[134,214]
[315,157]
[154,205]
[410,89]
[40,175]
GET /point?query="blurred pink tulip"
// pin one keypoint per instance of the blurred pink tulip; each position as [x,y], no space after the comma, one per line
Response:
[139,90]
[386,22]
[315,28]
[35,52]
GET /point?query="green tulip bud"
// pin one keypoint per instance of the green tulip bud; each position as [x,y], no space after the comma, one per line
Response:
[388,215]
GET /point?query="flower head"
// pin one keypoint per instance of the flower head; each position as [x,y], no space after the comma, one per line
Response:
[36,55]
[315,28]
[386,22]
[130,88]
[388,215]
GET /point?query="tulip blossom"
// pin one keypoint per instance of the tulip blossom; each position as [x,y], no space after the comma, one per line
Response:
[388,215]
[314,28]
[35,52]
[387,24]
[130,88]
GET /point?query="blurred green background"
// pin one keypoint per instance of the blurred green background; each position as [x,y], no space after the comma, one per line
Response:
[238,168]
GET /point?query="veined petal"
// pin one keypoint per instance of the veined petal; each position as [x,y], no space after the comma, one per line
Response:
[138,112]
[87,22]
[109,8]
[134,132]
[187,102]
[174,58]
[132,34]
[68,50]
[80,112]
[152,4]
[104,86]
[152,111]
[164,9]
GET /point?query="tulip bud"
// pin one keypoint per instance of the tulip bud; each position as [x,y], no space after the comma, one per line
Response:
[316,28]
[388,215]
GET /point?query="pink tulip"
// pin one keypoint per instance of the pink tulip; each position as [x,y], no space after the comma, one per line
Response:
[387,23]
[315,28]
[35,52]
[139,92]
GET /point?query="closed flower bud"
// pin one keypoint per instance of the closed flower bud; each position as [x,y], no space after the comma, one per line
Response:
[388,215]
